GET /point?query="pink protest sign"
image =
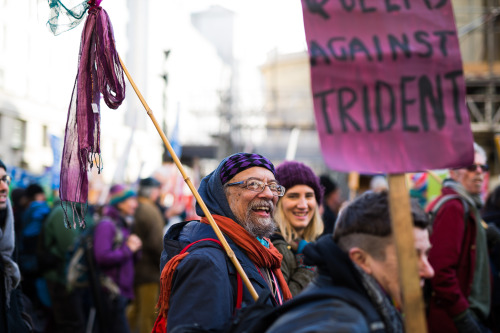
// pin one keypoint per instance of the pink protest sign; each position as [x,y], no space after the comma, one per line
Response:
[388,85]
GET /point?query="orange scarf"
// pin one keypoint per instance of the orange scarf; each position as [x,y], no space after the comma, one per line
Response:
[258,254]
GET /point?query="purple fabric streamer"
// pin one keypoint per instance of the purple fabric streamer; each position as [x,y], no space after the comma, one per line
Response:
[99,72]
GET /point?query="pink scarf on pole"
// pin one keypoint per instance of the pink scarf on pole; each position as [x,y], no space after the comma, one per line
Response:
[99,72]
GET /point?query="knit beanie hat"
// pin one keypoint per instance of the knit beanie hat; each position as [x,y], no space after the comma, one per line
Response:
[241,161]
[291,173]
[119,193]
[3,165]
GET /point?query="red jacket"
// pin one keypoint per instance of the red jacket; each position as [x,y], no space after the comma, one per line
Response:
[453,257]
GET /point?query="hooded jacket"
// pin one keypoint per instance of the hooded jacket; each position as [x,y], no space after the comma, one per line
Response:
[204,288]
[336,314]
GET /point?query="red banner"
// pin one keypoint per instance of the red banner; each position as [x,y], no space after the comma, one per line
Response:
[388,85]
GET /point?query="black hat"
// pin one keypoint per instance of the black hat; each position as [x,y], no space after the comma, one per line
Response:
[3,165]
[149,182]
[329,185]
[32,190]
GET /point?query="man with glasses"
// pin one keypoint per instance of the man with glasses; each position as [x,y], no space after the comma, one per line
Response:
[9,271]
[460,300]
[202,288]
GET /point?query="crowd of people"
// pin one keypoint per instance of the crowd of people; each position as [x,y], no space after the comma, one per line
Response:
[39,293]
[323,265]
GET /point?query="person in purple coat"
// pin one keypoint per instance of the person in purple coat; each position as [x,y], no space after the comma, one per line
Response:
[115,249]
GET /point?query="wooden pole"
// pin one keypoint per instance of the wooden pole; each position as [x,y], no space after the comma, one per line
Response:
[497,143]
[353,183]
[402,230]
[204,208]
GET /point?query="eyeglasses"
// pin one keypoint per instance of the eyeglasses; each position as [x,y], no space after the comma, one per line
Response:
[259,186]
[6,179]
[473,167]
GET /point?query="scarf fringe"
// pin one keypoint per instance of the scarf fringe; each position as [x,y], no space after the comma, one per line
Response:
[76,214]
[166,284]
[94,158]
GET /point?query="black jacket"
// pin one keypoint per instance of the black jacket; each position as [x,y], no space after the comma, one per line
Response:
[349,309]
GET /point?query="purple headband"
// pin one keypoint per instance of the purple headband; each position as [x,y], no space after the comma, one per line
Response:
[242,161]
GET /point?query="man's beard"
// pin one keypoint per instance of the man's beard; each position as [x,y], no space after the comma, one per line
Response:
[259,226]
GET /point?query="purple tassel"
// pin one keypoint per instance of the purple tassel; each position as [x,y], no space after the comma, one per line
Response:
[99,72]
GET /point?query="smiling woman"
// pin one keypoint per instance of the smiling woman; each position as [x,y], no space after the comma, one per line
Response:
[298,220]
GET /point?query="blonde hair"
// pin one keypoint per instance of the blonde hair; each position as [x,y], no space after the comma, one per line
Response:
[313,230]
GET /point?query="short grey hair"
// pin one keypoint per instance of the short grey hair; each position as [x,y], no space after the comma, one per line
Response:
[478,149]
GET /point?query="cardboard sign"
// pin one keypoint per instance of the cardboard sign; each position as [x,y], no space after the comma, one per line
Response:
[388,85]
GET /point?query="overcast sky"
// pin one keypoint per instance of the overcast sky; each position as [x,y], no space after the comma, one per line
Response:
[264,25]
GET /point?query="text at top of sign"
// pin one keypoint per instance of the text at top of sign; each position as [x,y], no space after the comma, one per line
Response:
[387,84]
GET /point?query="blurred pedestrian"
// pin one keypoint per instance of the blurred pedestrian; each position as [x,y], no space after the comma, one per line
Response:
[11,311]
[33,284]
[19,204]
[68,312]
[379,184]
[491,215]
[148,225]
[331,203]
[461,293]
[115,249]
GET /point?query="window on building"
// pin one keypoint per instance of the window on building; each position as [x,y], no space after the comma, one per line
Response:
[18,134]
[45,138]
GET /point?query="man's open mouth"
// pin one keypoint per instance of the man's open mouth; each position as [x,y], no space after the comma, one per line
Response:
[263,208]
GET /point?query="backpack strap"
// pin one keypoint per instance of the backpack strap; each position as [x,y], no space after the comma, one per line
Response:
[444,199]
[161,320]
[118,238]
[200,240]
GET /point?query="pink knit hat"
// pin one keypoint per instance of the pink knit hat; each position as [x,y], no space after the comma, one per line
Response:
[291,173]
